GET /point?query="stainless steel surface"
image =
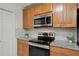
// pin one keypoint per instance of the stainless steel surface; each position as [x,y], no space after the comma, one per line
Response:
[40,16]
[39,45]
[49,34]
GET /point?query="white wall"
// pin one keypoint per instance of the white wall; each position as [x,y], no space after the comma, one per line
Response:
[19,19]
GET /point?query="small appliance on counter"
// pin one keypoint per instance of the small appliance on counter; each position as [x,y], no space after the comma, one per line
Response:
[41,44]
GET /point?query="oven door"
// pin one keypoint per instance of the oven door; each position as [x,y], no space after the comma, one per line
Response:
[37,51]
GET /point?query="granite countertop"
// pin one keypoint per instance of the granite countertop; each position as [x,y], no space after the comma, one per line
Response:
[59,43]
[65,44]
[25,38]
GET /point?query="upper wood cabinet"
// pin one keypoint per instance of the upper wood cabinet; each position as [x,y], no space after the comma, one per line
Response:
[43,8]
[37,9]
[22,47]
[64,15]
[58,15]
[71,15]
[58,51]
[28,14]
[31,11]
[47,7]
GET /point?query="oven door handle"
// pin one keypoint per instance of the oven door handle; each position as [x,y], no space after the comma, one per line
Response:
[39,45]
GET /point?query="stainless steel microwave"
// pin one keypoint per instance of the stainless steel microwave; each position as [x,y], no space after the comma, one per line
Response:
[43,20]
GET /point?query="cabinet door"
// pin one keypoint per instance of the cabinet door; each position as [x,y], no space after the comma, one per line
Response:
[46,7]
[22,48]
[58,51]
[25,48]
[58,15]
[37,9]
[25,18]
[70,18]
[28,18]
[43,8]
[19,48]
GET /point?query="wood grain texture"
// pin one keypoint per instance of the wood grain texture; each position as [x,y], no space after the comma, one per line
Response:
[71,15]
[58,51]
[47,7]
[22,47]
[36,9]
[43,8]
[58,15]
[64,15]
[28,15]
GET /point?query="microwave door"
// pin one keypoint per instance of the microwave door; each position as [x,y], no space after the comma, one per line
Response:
[39,22]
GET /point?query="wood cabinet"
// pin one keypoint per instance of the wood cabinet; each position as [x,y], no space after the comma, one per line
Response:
[28,14]
[22,47]
[58,51]
[58,15]
[64,15]
[43,8]
[71,15]
[35,9]
[47,7]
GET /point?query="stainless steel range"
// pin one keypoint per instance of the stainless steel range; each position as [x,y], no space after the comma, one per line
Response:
[41,45]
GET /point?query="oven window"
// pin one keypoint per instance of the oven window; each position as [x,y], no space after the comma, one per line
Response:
[36,51]
[39,21]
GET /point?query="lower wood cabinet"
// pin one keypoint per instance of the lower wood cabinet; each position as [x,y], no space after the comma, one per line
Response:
[22,47]
[58,51]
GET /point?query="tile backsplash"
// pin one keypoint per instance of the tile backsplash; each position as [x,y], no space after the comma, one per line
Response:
[60,33]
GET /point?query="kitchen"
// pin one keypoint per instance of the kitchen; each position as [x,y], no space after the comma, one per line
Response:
[47,29]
